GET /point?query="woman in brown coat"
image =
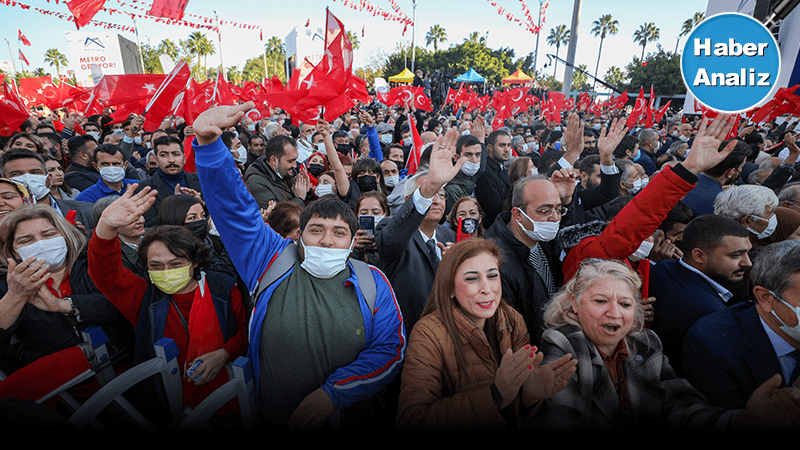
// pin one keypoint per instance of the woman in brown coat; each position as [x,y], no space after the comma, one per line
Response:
[469,362]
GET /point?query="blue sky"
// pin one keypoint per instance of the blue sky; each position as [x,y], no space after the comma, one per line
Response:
[458,17]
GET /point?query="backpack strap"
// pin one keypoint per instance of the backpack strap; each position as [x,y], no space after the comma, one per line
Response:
[288,257]
[277,268]
[366,283]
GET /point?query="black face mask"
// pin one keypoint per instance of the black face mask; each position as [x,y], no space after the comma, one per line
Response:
[399,164]
[199,228]
[152,170]
[367,183]
[316,169]
[344,149]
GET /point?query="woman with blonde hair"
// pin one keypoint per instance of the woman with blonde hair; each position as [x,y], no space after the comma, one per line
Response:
[623,378]
[469,362]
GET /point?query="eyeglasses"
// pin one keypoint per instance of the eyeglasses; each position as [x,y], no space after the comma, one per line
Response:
[442,195]
[549,211]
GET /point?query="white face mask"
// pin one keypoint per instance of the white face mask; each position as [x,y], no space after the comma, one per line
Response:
[637,186]
[542,231]
[53,251]
[323,189]
[322,262]
[470,168]
[36,183]
[320,147]
[378,219]
[683,138]
[597,126]
[642,252]
[94,134]
[793,332]
[137,140]
[386,138]
[251,127]
[391,180]
[771,226]
[112,174]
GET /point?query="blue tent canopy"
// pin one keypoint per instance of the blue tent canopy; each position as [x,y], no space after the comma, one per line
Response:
[470,76]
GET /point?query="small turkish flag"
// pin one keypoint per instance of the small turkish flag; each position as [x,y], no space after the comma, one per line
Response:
[12,110]
[169,9]
[21,37]
[23,58]
[84,10]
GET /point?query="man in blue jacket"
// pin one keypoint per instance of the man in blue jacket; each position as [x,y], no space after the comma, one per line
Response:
[319,347]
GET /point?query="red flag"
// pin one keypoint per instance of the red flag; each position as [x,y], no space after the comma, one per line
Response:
[23,58]
[584,101]
[569,104]
[84,10]
[169,9]
[638,109]
[517,99]
[451,96]
[168,99]
[37,90]
[21,37]
[12,110]
[416,147]
[197,100]
[619,101]
[357,91]
[118,89]
[222,92]
[648,112]
[659,113]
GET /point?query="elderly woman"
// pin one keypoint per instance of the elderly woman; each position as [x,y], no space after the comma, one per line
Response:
[13,195]
[469,362]
[202,311]
[47,295]
[623,379]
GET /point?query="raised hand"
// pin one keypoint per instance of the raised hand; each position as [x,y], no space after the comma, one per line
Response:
[366,118]
[26,278]
[479,128]
[705,152]
[125,210]
[573,138]
[771,407]
[609,140]
[564,180]
[208,127]
[441,168]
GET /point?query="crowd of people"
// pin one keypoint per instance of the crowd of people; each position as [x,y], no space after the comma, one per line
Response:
[538,276]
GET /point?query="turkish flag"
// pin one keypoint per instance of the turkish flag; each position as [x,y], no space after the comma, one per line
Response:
[451,96]
[638,109]
[84,10]
[197,100]
[619,101]
[23,58]
[33,89]
[569,104]
[274,84]
[648,112]
[516,100]
[169,9]
[21,37]
[416,147]
[483,102]
[223,95]
[168,99]
[659,113]
[357,91]
[118,89]
[13,112]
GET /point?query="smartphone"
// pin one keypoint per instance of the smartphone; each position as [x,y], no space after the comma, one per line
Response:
[367,223]
[466,227]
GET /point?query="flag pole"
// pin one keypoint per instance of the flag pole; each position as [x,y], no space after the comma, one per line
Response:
[12,55]
[219,39]
[139,44]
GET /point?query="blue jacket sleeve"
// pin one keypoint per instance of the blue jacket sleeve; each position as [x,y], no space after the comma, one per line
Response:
[252,244]
[375,150]
[382,359]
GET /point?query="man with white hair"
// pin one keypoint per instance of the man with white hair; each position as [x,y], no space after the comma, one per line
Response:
[752,206]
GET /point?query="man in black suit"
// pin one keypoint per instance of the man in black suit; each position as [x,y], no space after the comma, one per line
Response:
[729,354]
[28,167]
[492,187]
[715,260]
[411,242]
[170,174]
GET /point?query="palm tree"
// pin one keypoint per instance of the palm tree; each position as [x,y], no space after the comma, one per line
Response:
[199,44]
[558,36]
[646,33]
[614,76]
[435,35]
[688,26]
[476,38]
[55,58]
[169,48]
[354,40]
[274,52]
[604,26]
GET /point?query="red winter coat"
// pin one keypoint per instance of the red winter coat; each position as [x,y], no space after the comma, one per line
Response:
[638,220]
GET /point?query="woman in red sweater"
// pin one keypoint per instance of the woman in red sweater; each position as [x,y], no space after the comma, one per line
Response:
[201,311]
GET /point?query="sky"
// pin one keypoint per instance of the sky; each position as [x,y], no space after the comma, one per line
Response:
[459,18]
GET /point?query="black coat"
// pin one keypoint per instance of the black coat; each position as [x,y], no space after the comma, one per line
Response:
[492,189]
[157,183]
[523,288]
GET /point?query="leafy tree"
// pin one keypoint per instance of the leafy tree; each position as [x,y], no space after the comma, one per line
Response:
[580,80]
[646,33]
[168,48]
[688,26]
[150,57]
[476,38]
[558,36]
[661,69]
[550,83]
[604,26]
[435,35]
[199,44]
[615,77]
[354,40]
[55,58]
[234,74]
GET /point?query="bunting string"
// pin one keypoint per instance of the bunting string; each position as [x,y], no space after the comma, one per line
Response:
[361,5]
[68,17]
